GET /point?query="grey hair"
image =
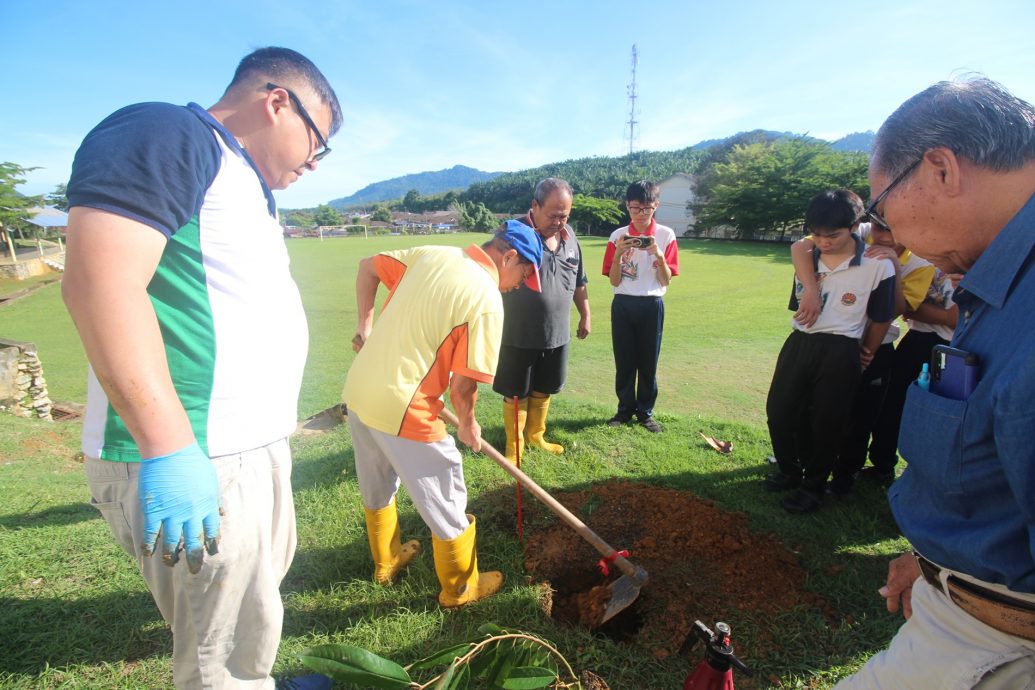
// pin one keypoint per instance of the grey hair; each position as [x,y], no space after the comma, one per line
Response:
[546,187]
[976,118]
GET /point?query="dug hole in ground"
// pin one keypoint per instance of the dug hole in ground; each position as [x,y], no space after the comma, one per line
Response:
[704,564]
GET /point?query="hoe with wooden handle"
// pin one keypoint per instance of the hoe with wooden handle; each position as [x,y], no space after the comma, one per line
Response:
[625,589]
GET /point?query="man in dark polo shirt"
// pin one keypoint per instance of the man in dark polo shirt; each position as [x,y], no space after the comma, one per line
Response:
[536,325]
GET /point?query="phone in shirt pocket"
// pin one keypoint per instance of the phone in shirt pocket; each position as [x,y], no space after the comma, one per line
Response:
[954,372]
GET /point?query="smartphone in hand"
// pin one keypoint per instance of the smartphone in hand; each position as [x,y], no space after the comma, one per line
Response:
[954,372]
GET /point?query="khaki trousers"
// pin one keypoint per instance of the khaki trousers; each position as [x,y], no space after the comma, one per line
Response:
[226,620]
[941,647]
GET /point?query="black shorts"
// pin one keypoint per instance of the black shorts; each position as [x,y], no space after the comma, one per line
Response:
[521,371]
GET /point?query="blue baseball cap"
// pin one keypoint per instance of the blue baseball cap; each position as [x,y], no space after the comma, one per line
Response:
[529,246]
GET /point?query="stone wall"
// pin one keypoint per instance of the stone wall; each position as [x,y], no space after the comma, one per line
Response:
[25,268]
[23,390]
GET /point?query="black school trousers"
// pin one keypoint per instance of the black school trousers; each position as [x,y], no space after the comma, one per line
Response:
[910,354]
[636,327]
[870,399]
[810,404]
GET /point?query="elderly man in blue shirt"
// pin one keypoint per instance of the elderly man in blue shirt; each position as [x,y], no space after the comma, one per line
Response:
[953,170]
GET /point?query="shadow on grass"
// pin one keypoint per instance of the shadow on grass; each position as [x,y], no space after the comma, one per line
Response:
[55,516]
[42,632]
[324,569]
[324,465]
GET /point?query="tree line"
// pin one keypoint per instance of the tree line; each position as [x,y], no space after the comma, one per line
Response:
[756,184]
[760,186]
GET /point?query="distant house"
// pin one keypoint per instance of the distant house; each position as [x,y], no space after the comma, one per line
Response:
[676,192]
[423,223]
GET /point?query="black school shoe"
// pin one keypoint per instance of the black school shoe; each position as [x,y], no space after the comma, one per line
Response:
[882,477]
[619,420]
[801,502]
[839,486]
[651,425]
[778,481]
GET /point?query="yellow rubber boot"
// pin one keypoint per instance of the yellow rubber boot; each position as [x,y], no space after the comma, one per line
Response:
[456,564]
[390,555]
[535,425]
[508,427]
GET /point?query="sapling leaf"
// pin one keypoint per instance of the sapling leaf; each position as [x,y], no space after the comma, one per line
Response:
[446,679]
[484,660]
[507,661]
[491,629]
[528,678]
[461,679]
[355,665]
[442,656]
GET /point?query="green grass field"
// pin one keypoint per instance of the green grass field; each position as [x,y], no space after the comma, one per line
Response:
[75,614]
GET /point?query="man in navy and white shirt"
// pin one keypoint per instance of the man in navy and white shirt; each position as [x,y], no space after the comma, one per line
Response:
[177,279]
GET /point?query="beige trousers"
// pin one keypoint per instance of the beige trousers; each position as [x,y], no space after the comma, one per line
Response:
[941,647]
[226,620]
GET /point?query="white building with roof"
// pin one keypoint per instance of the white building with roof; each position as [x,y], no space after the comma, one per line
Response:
[675,193]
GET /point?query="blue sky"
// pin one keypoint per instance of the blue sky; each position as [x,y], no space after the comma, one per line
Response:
[500,85]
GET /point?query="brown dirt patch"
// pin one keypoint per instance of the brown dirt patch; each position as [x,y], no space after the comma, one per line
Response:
[704,563]
[44,442]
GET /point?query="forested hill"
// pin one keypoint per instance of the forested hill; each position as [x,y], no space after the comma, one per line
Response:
[457,178]
[604,177]
[600,176]
[856,141]
[607,177]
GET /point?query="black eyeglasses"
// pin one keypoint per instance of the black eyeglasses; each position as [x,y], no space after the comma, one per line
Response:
[642,210]
[324,148]
[871,211]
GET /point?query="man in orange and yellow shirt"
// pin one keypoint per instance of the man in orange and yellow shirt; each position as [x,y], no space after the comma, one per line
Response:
[440,328]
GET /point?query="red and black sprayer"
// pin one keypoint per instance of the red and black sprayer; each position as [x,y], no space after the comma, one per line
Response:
[715,672]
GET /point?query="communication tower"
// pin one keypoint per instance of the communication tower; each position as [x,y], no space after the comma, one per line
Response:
[632,102]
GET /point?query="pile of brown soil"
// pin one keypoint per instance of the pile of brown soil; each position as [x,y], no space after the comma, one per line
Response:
[704,563]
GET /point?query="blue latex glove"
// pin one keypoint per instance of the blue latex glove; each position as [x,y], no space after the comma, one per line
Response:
[179,493]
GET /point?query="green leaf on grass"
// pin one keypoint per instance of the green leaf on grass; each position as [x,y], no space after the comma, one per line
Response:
[543,658]
[491,629]
[483,662]
[529,678]
[446,679]
[355,665]
[462,678]
[501,669]
[442,656]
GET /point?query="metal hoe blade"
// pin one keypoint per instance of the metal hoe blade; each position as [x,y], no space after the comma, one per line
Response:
[624,591]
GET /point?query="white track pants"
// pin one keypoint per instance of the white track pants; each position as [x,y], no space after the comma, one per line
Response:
[433,474]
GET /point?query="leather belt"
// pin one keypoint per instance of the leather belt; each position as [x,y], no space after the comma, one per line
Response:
[994,609]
